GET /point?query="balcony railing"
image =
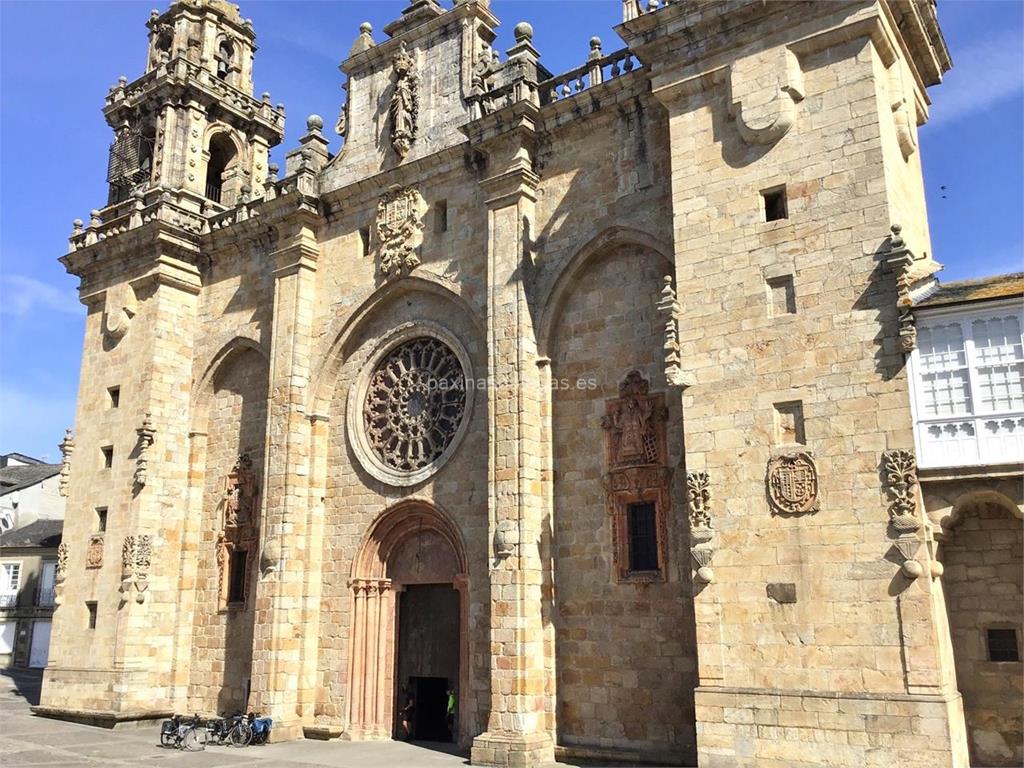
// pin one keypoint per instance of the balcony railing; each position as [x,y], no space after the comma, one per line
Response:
[46,598]
[213,192]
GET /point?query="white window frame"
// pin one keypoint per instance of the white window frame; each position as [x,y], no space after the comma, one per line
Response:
[5,588]
[965,316]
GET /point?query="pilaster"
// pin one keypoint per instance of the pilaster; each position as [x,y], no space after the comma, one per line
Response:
[288,561]
[516,733]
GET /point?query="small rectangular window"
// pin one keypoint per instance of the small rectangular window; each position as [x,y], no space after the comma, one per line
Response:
[1002,645]
[115,396]
[781,296]
[641,524]
[101,519]
[10,578]
[108,456]
[441,216]
[775,204]
[364,240]
[789,423]
[91,608]
[236,571]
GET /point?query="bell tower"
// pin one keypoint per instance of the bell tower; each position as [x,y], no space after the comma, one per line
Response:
[190,125]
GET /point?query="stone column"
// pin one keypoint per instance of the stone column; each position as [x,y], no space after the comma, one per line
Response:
[516,733]
[289,561]
[370,677]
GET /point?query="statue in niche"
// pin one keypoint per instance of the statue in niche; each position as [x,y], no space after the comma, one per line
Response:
[633,420]
[404,108]
[240,503]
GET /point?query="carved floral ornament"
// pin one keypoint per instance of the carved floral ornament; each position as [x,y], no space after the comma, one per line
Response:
[410,408]
[136,559]
[702,548]
[792,483]
[399,230]
[899,469]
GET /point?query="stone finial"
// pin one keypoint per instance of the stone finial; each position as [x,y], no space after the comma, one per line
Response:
[94,219]
[365,40]
[595,48]
[122,81]
[314,123]
[67,447]
[272,170]
[147,434]
[523,32]
[265,97]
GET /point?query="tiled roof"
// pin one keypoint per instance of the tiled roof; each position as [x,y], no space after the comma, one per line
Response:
[40,533]
[15,478]
[979,289]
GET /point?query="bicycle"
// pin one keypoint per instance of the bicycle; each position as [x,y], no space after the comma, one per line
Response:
[182,733]
[235,730]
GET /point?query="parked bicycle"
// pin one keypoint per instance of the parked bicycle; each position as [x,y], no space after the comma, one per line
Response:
[185,733]
[234,730]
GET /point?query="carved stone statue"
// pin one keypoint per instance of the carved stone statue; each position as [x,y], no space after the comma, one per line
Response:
[404,108]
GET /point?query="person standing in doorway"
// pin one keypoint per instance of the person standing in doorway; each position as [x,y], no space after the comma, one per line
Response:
[408,712]
[450,713]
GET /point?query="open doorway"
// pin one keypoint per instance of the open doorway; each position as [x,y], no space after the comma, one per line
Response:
[428,659]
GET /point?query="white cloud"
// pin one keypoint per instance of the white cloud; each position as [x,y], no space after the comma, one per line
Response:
[983,74]
[33,422]
[23,296]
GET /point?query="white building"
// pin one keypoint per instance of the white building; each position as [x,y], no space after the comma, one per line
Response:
[31,521]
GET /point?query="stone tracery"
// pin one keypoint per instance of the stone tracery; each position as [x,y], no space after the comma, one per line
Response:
[415,403]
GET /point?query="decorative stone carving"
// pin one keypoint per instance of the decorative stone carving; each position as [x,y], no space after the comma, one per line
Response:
[60,573]
[399,230]
[635,422]
[899,260]
[669,308]
[341,126]
[62,561]
[903,111]
[506,539]
[698,493]
[415,404]
[136,560]
[239,515]
[636,457]
[900,469]
[765,113]
[702,549]
[94,551]
[146,435]
[121,306]
[792,482]
[404,108]
[67,447]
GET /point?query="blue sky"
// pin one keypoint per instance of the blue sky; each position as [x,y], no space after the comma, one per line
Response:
[57,60]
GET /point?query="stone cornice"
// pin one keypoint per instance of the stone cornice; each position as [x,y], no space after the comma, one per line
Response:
[153,236]
[381,53]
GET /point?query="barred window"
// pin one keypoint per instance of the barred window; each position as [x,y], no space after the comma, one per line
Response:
[643,536]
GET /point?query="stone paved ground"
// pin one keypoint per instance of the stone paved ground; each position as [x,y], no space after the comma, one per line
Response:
[26,740]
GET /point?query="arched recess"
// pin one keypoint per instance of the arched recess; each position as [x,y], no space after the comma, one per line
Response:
[616,513]
[342,330]
[227,441]
[553,298]
[411,543]
[982,554]
[224,159]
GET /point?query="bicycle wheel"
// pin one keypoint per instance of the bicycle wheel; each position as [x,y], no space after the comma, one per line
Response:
[167,739]
[194,740]
[240,735]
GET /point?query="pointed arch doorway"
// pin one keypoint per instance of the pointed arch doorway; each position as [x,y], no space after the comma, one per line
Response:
[410,615]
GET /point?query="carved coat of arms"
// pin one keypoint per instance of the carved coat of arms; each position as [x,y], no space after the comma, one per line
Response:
[793,483]
[399,230]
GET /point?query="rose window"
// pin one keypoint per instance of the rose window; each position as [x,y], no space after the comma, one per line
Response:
[415,403]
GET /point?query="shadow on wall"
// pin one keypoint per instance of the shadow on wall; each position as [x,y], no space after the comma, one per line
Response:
[24,683]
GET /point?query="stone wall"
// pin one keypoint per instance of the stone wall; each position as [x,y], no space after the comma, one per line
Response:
[221,656]
[984,586]
[625,654]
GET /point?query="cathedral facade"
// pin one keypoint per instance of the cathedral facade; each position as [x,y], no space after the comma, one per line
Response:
[583,396]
